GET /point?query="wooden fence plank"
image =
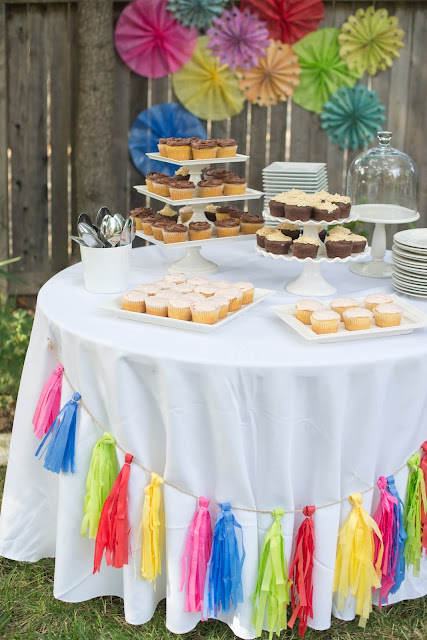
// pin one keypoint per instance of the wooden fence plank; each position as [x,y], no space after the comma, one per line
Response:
[138,102]
[4,222]
[257,151]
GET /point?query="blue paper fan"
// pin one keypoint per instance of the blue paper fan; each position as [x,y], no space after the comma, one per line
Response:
[161,121]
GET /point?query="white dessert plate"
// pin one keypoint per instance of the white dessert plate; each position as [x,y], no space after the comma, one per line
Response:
[409,249]
[239,157]
[250,194]
[417,257]
[413,285]
[416,238]
[409,265]
[420,278]
[295,167]
[193,243]
[115,307]
[401,289]
[412,318]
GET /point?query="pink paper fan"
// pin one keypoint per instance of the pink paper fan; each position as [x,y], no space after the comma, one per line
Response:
[150,41]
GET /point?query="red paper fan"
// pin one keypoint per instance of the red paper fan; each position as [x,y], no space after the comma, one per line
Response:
[288,20]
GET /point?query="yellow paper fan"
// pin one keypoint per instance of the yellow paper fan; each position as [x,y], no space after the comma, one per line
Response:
[370,40]
[275,77]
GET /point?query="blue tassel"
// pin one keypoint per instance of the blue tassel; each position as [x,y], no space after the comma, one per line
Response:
[223,585]
[59,450]
[399,543]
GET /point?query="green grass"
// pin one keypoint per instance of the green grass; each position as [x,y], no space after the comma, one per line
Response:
[28,611]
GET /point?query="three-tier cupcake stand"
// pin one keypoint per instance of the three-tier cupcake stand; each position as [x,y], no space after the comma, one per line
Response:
[193,262]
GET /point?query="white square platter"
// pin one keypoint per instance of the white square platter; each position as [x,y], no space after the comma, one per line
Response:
[239,157]
[294,167]
[115,307]
[250,194]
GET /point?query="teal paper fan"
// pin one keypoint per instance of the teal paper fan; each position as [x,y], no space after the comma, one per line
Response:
[352,117]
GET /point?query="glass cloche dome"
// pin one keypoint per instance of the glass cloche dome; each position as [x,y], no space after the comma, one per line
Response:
[382,183]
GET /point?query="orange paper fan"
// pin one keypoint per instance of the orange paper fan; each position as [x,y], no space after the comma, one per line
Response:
[275,77]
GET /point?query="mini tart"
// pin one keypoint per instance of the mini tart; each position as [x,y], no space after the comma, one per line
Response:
[250,224]
[161,186]
[226,148]
[277,243]
[261,235]
[387,315]
[205,311]
[289,229]
[248,290]
[338,246]
[234,185]
[179,308]
[176,278]
[206,290]
[374,299]
[134,301]
[210,188]
[224,304]
[359,243]
[305,247]
[304,309]
[228,227]
[181,189]
[343,304]
[357,319]
[234,296]
[202,149]
[325,321]
[277,209]
[197,280]
[179,149]
[162,146]
[157,306]
[174,233]
[199,230]
[148,222]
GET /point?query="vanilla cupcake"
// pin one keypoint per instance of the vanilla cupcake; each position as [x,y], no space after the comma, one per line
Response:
[342,304]
[134,301]
[357,318]
[163,284]
[222,284]
[179,308]
[226,147]
[210,188]
[375,299]
[175,233]
[197,280]
[199,230]
[162,146]
[185,287]
[194,297]
[387,315]
[176,278]
[150,289]
[206,312]
[224,304]
[325,321]
[234,185]
[161,186]
[248,290]
[203,149]
[185,213]
[157,306]
[179,148]
[206,290]
[234,296]
[305,308]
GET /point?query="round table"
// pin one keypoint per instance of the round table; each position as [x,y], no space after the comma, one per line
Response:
[251,413]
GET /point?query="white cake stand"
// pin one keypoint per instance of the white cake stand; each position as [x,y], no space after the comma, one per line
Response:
[380,215]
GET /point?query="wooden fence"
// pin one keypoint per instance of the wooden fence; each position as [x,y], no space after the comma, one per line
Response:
[38,97]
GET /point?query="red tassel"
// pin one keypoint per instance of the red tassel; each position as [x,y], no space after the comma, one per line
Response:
[301,574]
[113,530]
[423,467]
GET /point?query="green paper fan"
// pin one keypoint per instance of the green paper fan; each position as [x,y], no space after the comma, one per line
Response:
[323,71]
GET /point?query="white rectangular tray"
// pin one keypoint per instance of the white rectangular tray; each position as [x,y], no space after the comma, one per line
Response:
[193,243]
[115,307]
[412,318]
[250,194]
[239,157]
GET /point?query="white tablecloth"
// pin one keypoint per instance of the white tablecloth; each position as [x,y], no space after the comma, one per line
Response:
[250,414]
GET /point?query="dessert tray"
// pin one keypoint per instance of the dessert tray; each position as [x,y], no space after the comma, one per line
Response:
[250,194]
[267,215]
[412,318]
[115,308]
[194,243]
[204,162]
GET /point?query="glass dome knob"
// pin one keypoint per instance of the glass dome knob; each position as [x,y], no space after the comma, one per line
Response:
[384,137]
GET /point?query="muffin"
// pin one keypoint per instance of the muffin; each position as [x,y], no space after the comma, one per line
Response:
[224,211]
[277,209]
[250,224]
[202,149]
[304,309]
[199,230]
[359,243]
[261,235]
[139,214]
[197,280]
[181,189]
[179,308]
[226,148]
[325,321]
[343,304]
[325,212]
[357,318]
[206,312]
[148,222]
[168,213]
[234,185]
[157,228]
[149,178]
[210,212]
[234,296]
[213,172]
[175,233]
[248,290]
[305,247]
[210,188]
[185,213]
[277,243]
[162,146]
[228,227]
[374,299]
[387,315]
[289,229]
[161,186]
[338,246]
[176,278]
[179,148]
[134,301]
[224,304]
[157,306]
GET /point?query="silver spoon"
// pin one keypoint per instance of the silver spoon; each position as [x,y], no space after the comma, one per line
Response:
[103,211]
[92,241]
[111,229]
[120,219]
[125,237]
[86,230]
[83,217]
[79,241]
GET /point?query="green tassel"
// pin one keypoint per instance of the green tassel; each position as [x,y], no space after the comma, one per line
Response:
[415,492]
[272,586]
[103,471]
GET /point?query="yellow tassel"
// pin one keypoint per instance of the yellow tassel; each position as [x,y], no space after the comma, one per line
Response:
[354,567]
[152,526]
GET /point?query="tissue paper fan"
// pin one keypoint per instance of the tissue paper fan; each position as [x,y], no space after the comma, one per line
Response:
[150,40]
[352,117]
[165,120]
[206,88]
[196,13]
[275,77]
[288,20]
[322,70]
[370,40]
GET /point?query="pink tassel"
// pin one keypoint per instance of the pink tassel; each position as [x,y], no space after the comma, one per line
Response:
[423,467]
[197,550]
[49,403]
[301,573]
[384,517]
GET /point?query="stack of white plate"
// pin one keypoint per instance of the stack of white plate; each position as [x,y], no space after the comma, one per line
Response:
[283,176]
[409,253]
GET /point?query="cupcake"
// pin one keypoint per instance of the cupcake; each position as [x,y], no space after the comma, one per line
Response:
[161,186]
[226,147]
[194,297]
[305,247]
[277,209]
[234,185]
[139,214]
[163,285]
[210,212]
[184,288]
[224,304]
[325,211]
[224,211]
[210,188]
[206,312]
[340,230]
[150,289]
[202,149]
[325,321]
[179,148]
[250,224]
[179,308]
[197,280]
[357,318]
[150,177]
[206,290]
[157,228]
[157,306]
[248,290]
[182,174]
[374,299]
[181,189]
[148,222]
[342,202]
[176,278]
[305,308]
[277,243]
[359,243]
[338,246]
[222,284]
[162,146]
[289,229]
[343,304]
[199,230]
[261,235]
[175,233]
[185,213]
[168,213]
[228,227]
[322,233]
[297,210]
[213,172]
[387,315]
[134,301]
[234,296]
